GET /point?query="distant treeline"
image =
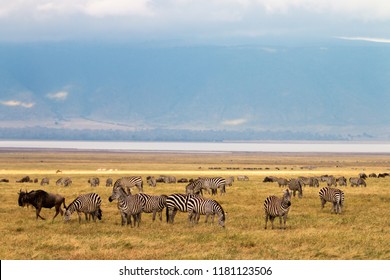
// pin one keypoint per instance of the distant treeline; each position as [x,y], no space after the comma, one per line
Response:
[42,133]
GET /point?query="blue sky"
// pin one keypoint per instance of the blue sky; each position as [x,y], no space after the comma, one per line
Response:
[193,21]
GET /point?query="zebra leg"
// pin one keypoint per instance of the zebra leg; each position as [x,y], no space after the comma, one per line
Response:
[285,220]
[154,215]
[123,218]
[323,201]
[266,220]
[79,214]
[272,221]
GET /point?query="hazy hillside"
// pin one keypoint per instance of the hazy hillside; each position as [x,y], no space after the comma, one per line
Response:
[334,89]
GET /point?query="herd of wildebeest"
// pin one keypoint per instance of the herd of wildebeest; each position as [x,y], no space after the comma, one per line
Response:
[192,201]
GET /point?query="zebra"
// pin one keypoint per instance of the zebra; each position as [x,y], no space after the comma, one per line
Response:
[129,182]
[330,180]
[229,181]
[151,181]
[199,206]
[295,185]
[242,178]
[357,181]
[153,204]
[195,187]
[94,182]
[128,205]
[336,196]
[45,181]
[277,207]
[86,203]
[109,182]
[64,182]
[282,182]
[213,184]
[342,181]
[176,202]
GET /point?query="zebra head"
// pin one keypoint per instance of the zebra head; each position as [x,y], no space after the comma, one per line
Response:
[117,192]
[287,198]
[67,215]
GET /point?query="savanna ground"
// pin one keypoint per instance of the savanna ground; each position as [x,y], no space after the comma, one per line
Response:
[362,231]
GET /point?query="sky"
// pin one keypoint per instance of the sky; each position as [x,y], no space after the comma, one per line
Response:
[193,21]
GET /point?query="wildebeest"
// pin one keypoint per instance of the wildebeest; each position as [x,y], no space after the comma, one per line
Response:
[94,181]
[4,181]
[109,182]
[41,199]
[25,179]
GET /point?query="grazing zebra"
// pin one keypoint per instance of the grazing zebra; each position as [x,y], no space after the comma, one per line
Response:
[342,181]
[86,203]
[199,206]
[195,187]
[129,182]
[94,182]
[242,178]
[128,205]
[213,184]
[151,181]
[45,181]
[176,202]
[153,204]
[66,182]
[109,182]
[282,182]
[229,181]
[333,195]
[357,181]
[330,180]
[277,207]
[295,185]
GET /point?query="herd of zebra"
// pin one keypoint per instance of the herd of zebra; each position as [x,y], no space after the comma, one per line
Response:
[193,201]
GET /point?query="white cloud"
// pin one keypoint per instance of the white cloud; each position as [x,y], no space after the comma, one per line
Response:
[60,95]
[367,39]
[234,122]
[16,103]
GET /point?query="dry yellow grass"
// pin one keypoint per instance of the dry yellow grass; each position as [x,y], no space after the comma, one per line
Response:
[361,232]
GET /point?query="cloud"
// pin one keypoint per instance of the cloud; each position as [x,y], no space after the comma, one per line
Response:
[367,39]
[59,96]
[16,103]
[234,122]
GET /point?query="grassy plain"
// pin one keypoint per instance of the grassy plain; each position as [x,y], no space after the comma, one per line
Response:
[362,231]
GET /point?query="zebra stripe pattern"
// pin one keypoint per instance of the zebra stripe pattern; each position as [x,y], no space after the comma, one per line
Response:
[333,195]
[87,204]
[130,182]
[153,204]
[176,202]
[213,184]
[128,205]
[195,187]
[277,207]
[199,206]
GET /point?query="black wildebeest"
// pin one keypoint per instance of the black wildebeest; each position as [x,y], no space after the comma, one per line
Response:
[40,199]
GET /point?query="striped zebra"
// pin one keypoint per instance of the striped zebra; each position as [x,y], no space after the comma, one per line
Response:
[213,184]
[295,185]
[333,195]
[128,205]
[229,181]
[94,181]
[277,207]
[153,204]
[45,181]
[199,206]
[357,181]
[195,187]
[89,204]
[109,182]
[151,181]
[130,182]
[176,202]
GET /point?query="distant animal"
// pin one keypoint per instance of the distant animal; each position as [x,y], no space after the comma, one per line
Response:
[295,186]
[199,206]
[182,180]
[363,175]
[58,171]
[94,181]
[357,181]
[195,187]
[372,175]
[128,205]
[333,195]
[89,204]
[242,178]
[229,181]
[66,182]
[151,181]
[45,181]
[270,179]
[4,180]
[341,181]
[109,182]
[277,207]
[130,182]
[41,199]
[25,179]
[213,184]
[282,182]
